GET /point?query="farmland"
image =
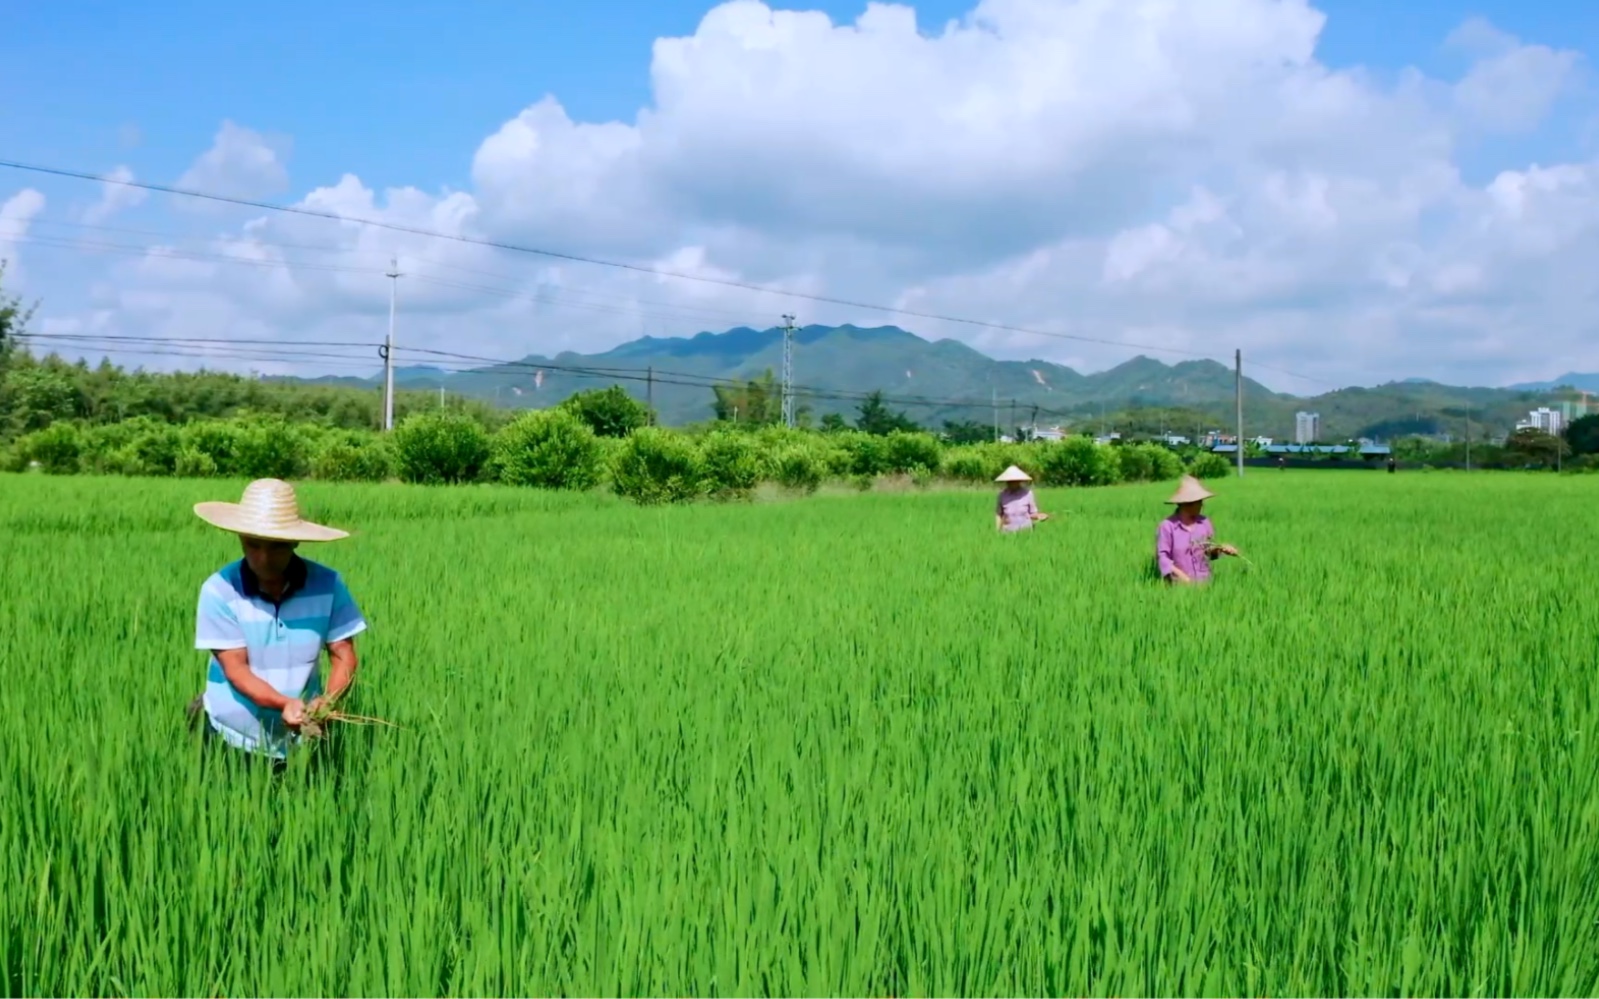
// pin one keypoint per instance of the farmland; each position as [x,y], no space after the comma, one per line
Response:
[853,744]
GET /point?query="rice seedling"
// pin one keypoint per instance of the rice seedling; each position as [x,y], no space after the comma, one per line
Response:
[848,745]
[322,712]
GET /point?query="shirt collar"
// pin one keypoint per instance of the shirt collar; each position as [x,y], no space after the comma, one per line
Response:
[294,579]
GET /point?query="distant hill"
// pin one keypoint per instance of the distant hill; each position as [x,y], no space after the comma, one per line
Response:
[937,380]
[1570,379]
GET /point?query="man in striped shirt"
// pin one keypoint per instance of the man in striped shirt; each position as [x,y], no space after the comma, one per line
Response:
[265,620]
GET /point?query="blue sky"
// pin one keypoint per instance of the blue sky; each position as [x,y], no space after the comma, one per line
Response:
[402,92]
[1434,262]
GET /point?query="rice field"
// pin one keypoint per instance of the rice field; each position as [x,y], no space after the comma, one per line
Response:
[849,745]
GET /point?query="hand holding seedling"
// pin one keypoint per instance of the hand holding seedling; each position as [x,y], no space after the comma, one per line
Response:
[294,713]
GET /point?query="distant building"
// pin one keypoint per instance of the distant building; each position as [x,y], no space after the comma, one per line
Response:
[1307,427]
[1550,421]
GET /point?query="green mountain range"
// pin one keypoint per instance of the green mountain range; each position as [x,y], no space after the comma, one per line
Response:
[934,381]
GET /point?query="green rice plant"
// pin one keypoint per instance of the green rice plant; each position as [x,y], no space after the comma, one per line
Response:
[855,745]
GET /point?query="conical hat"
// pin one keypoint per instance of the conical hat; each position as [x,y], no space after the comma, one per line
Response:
[268,510]
[1190,490]
[1013,474]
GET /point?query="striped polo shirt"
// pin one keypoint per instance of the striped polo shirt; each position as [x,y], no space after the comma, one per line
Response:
[284,642]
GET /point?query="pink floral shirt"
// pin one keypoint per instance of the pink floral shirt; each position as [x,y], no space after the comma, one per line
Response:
[1016,508]
[1182,546]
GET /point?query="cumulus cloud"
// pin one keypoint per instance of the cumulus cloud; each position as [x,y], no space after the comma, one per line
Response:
[16,216]
[241,163]
[115,196]
[1189,176]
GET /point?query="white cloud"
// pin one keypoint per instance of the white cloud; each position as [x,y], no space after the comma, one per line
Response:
[115,196]
[1186,175]
[16,216]
[241,163]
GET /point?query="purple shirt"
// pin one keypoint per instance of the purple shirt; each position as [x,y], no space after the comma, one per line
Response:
[1016,508]
[1182,546]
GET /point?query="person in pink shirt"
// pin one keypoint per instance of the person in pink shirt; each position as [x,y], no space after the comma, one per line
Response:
[1016,509]
[1185,543]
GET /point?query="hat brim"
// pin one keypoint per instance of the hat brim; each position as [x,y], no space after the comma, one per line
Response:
[232,518]
[1196,497]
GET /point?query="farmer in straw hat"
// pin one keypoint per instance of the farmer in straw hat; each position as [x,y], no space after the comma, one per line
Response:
[266,618]
[1184,545]
[1016,509]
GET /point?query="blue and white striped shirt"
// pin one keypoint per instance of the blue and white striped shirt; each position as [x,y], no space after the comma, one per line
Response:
[284,643]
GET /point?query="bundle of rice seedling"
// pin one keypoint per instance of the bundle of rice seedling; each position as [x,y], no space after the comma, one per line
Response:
[321,712]
[1213,548]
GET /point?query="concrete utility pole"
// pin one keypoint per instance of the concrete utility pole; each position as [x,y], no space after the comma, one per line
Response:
[649,393]
[388,346]
[1238,404]
[788,370]
[996,414]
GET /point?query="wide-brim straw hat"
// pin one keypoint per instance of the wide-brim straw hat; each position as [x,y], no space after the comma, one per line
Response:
[267,510]
[1190,490]
[1013,474]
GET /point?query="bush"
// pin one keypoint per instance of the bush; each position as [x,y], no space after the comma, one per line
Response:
[907,452]
[550,449]
[157,448]
[657,466]
[1147,463]
[964,464]
[57,448]
[193,463]
[732,464]
[216,440]
[801,468]
[866,454]
[270,448]
[441,446]
[1077,461]
[354,457]
[1209,465]
[609,412]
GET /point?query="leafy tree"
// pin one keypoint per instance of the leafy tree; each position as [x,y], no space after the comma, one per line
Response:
[878,420]
[757,402]
[35,396]
[1582,434]
[833,423]
[1533,446]
[609,412]
[13,320]
[967,432]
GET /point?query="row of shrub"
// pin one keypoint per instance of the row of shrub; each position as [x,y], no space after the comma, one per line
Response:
[554,449]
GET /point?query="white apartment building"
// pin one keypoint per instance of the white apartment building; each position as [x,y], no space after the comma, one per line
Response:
[1307,427]
[1550,421]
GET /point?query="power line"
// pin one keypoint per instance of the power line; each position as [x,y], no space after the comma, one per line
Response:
[679,314]
[581,259]
[23,235]
[209,348]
